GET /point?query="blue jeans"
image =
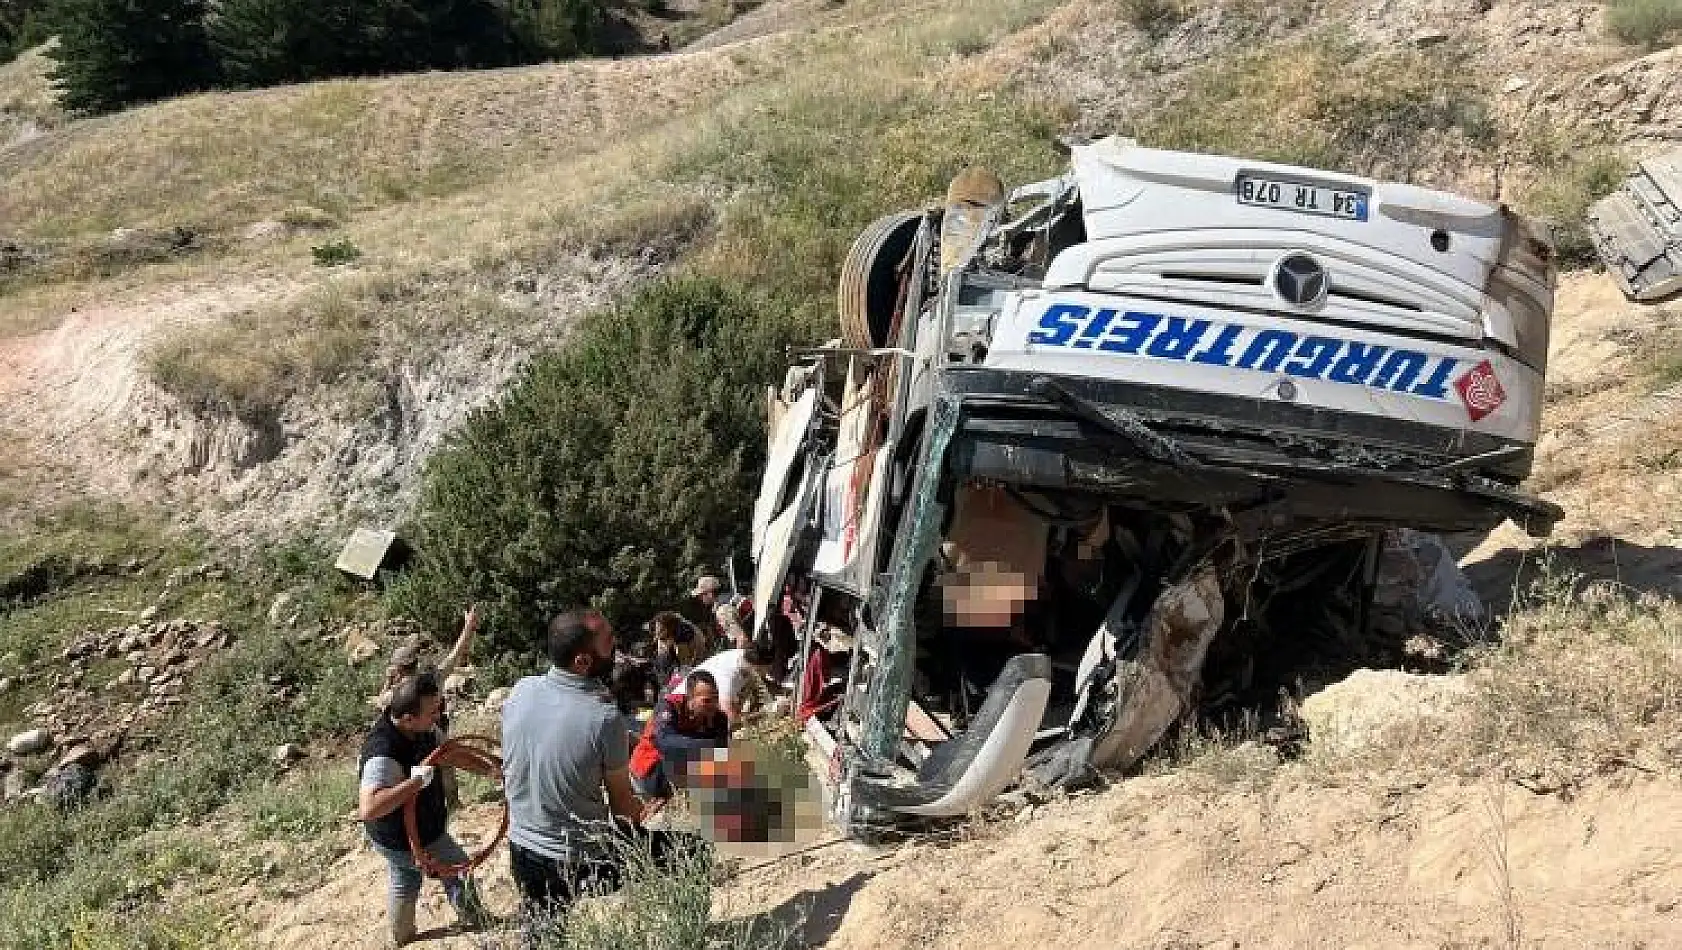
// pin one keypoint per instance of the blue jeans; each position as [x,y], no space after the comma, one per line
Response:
[405,876]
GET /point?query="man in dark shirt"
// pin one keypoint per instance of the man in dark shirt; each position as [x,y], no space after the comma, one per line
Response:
[392,776]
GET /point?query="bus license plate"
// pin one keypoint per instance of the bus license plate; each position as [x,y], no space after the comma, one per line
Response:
[1345,203]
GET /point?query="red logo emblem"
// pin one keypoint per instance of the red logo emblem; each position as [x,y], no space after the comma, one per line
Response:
[1480,391]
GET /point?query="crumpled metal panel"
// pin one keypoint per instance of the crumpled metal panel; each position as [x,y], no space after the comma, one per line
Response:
[915,545]
[1637,229]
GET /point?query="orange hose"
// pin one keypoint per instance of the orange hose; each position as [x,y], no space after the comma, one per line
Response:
[461,753]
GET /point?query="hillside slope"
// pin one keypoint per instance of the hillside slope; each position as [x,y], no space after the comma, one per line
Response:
[170,350]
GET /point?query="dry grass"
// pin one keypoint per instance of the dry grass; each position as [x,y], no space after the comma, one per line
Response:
[224,160]
[765,179]
[27,103]
[252,363]
[1649,23]
[1324,102]
[1583,680]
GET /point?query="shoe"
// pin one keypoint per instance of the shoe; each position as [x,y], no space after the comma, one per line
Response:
[402,922]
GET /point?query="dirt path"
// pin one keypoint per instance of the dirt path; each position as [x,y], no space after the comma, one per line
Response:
[1152,865]
[70,395]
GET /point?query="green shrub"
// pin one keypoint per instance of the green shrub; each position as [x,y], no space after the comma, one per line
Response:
[659,908]
[303,809]
[1565,177]
[1154,18]
[610,472]
[1649,23]
[334,253]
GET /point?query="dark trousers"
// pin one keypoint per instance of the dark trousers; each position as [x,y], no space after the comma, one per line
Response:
[549,886]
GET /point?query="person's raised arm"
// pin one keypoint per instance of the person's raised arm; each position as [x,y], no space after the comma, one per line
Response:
[464,643]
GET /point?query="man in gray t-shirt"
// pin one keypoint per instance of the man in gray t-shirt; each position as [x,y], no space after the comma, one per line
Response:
[565,759]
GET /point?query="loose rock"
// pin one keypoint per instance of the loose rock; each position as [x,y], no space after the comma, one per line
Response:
[81,754]
[33,742]
[287,754]
[360,648]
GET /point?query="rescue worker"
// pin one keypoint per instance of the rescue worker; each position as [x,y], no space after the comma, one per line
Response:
[682,728]
[566,750]
[406,660]
[392,775]
[716,613]
[740,678]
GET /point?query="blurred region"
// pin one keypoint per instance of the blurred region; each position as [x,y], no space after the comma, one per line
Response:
[754,796]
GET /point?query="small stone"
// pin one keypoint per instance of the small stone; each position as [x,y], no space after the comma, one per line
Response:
[149,614]
[279,608]
[1426,38]
[80,754]
[33,742]
[145,674]
[6,684]
[14,786]
[360,648]
[1514,84]
[287,754]
[125,678]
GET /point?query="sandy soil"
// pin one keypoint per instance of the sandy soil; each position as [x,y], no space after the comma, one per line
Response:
[1173,863]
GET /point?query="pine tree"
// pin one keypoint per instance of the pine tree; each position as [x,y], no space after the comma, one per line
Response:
[264,42]
[116,53]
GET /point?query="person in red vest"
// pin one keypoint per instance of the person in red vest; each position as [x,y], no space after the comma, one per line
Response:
[683,726]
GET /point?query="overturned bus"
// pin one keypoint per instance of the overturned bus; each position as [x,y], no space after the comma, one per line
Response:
[1085,442]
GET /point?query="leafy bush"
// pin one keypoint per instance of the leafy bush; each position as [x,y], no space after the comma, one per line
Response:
[1649,23]
[1153,17]
[610,472]
[334,253]
[1566,177]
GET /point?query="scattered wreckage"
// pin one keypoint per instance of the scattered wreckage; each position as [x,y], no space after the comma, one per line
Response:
[1087,441]
[1637,230]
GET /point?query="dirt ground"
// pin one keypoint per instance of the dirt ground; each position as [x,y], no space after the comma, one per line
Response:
[1177,862]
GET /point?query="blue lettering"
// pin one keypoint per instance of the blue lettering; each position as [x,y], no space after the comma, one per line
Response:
[1400,370]
[1314,355]
[1058,324]
[1219,352]
[1359,360]
[1437,386]
[1134,330]
[1268,350]
[1178,338]
[1095,328]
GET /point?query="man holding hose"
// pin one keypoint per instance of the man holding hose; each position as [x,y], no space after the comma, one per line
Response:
[392,776]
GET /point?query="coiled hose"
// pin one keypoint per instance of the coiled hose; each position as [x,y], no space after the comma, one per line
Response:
[469,754]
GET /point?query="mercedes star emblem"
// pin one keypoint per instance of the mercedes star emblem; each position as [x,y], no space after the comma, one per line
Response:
[1300,280]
